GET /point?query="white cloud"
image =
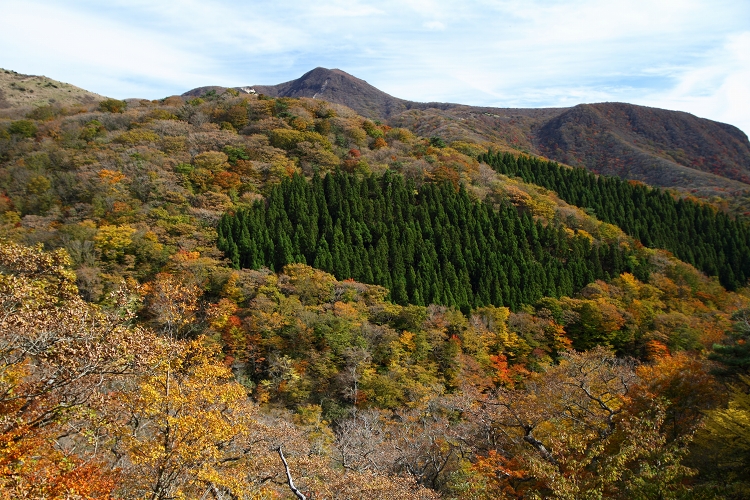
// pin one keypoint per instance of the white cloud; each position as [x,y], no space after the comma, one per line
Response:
[522,53]
[343,9]
[83,49]
[718,89]
[202,25]
[434,25]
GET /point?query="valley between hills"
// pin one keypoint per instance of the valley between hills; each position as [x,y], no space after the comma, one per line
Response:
[317,290]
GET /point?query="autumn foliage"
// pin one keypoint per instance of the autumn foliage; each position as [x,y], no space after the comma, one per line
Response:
[188,287]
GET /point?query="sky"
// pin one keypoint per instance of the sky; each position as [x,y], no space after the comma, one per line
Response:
[687,55]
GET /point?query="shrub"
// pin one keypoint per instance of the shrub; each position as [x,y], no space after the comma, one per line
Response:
[137,136]
[24,128]
[372,130]
[468,148]
[113,241]
[288,139]
[235,153]
[162,114]
[43,113]
[213,161]
[401,134]
[184,168]
[113,105]
[437,142]
[92,130]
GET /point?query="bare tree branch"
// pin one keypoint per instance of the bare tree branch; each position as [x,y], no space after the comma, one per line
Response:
[289,479]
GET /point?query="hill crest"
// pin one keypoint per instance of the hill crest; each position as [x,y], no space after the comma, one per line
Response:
[18,91]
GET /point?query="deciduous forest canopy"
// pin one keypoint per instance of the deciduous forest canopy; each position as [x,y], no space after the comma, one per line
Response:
[195,287]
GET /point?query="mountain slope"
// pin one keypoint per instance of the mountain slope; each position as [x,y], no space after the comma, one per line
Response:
[178,196]
[660,147]
[17,90]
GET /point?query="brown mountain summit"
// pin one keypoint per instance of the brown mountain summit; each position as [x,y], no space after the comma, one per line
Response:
[661,147]
[337,86]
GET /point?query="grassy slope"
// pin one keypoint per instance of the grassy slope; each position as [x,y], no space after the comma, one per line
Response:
[19,91]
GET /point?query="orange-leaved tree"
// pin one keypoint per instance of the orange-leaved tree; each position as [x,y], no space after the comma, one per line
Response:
[56,354]
[572,432]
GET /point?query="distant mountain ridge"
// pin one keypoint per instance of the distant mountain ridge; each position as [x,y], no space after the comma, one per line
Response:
[656,146]
[647,143]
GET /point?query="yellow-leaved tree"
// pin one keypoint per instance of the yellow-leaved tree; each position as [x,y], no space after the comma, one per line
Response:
[185,428]
[56,353]
[723,445]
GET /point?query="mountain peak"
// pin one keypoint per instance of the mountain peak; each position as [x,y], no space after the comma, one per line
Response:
[338,86]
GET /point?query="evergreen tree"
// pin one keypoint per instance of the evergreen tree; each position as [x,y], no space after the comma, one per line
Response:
[432,245]
[695,233]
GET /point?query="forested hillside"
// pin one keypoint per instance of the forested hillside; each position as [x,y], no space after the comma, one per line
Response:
[696,233]
[432,245]
[204,297]
[657,146]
